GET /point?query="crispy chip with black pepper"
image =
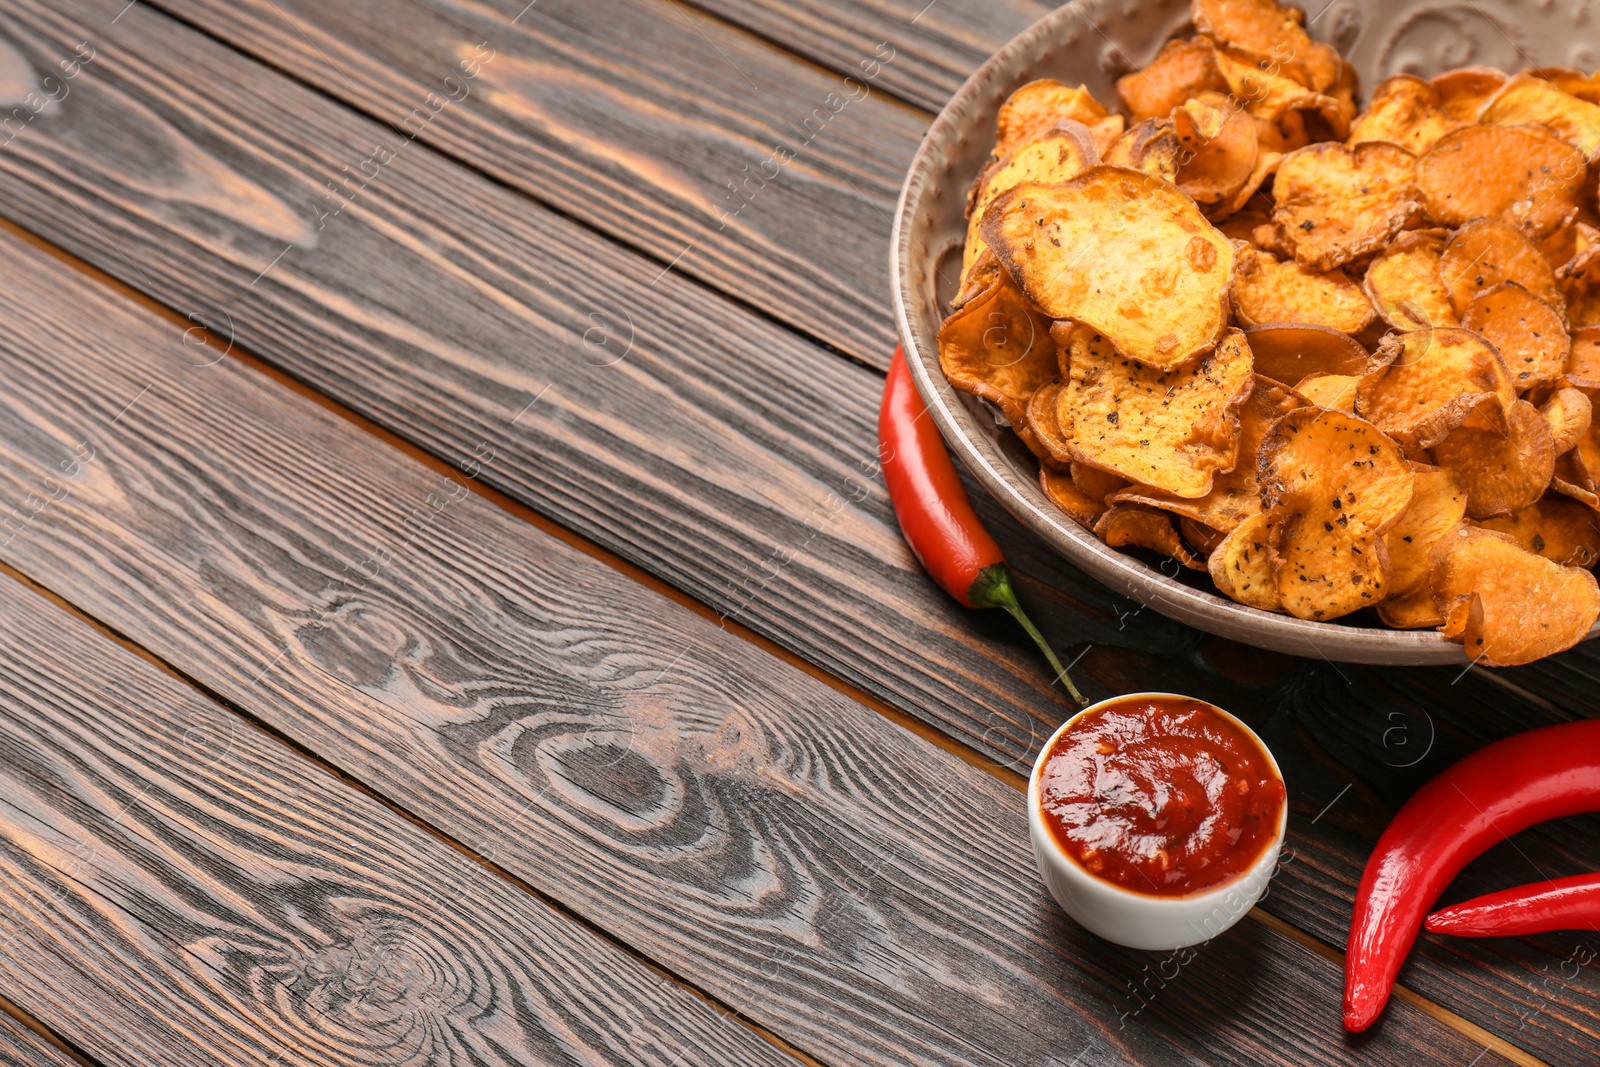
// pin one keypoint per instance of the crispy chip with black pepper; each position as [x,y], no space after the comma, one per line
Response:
[1437,505]
[1487,252]
[1122,252]
[1528,98]
[1556,527]
[1171,430]
[1524,176]
[1055,155]
[1265,290]
[1235,495]
[1331,486]
[1337,204]
[1508,605]
[1440,379]
[1241,568]
[1529,333]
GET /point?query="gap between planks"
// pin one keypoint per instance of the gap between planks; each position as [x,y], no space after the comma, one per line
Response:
[642,251]
[343,777]
[938,738]
[28,1022]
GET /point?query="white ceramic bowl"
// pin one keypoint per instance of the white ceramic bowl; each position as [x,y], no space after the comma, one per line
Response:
[1141,920]
[1093,41]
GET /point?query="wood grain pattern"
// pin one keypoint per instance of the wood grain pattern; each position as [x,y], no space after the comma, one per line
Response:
[663,128]
[675,455]
[23,1048]
[178,888]
[938,43]
[869,897]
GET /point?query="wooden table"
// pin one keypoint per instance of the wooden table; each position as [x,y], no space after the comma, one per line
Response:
[450,616]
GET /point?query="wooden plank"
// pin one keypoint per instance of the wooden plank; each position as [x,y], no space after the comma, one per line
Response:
[937,44]
[665,129]
[866,895]
[20,1047]
[180,888]
[673,456]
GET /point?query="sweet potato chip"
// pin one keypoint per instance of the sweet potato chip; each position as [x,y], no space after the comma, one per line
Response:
[1404,285]
[1172,430]
[1522,175]
[1464,91]
[1527,99]
[1336,392]
[1583,363]
[1501,473]
[1152,146]
[1129,256]
[1404,110]
[1220,144]
[1529,333]
[1101,485]
[1254,228]
[1044,435]
[998,348]
[1569,413]
[1581,465]
[1582,294]
[1440,378]
[1128,524]
[1331,486]
[1337,204]
[1235,495]
[1241,566]
[1487,252]
[1576,83]
[1265,290]
[1508,605]
[984,272]
[1265,91]
[1267,163]
[1056,155]
[1202,538]
[1183,70]
[1292,352]
[1039,105]
[1437,505]
[1269,31]
[1064,494]
[1556,527]
[1413,611]
[1404,282]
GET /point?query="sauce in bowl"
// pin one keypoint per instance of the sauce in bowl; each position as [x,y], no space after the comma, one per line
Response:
[1162,796]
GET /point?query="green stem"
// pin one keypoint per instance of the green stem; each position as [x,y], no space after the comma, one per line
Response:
[992,589]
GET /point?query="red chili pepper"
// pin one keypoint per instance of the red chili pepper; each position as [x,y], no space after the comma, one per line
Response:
[935,513]
[1563,904]
[1495,792]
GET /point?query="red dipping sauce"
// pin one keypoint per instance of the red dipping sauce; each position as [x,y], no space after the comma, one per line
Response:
[1161,796]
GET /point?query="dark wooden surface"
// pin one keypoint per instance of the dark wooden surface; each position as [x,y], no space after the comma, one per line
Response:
[645,120]
[21,1047]
[180,888]
[867,896]
[711,441]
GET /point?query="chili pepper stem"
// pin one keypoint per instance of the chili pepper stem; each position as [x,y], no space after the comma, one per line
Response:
[993,589]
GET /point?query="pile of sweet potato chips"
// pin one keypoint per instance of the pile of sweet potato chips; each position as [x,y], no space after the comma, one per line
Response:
[1339,359]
